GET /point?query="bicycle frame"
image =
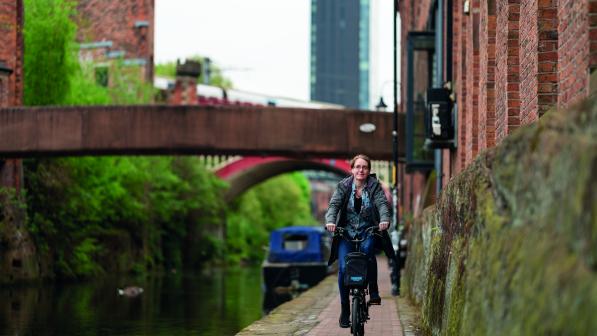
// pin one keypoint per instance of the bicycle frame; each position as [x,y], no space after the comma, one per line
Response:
[360,306]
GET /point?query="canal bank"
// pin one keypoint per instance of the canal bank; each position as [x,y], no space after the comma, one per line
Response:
[315,312]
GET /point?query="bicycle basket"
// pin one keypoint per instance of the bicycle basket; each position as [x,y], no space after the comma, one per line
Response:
[356,270]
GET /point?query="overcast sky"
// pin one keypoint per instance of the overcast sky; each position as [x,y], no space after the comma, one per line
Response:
[263,46]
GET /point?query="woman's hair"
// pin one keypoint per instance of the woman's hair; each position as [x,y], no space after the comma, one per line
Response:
[360,156]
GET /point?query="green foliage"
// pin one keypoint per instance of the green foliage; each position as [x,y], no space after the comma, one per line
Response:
[50,52]
[278,202]
[94,215]
[83,257]
[157,201]
[125,86]
[168,69]
[53,75]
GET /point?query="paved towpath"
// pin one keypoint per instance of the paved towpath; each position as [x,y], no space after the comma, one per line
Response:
[384,319]
[316,312]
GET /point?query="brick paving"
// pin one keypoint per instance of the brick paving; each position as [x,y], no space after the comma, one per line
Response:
[384,319]
[316,311]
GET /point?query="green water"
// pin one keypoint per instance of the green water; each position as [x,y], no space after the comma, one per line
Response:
[214,302]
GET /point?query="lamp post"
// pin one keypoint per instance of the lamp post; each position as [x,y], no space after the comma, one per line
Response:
[396,214]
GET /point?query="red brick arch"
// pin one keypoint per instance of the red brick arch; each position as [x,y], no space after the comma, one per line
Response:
[248,171]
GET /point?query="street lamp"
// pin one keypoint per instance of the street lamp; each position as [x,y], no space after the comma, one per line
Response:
[381,106]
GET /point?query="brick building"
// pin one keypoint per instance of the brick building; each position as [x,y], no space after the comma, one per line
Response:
[11,53]
[505,63]
[11,77]
[110,30]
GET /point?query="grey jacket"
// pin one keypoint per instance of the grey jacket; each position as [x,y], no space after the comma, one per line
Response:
[337,211]
[337,208]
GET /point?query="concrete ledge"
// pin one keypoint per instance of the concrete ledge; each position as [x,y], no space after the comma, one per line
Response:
[409,317]
[298,316]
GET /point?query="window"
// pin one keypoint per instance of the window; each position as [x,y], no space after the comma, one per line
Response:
[419,79]
[101,76]
[295,242]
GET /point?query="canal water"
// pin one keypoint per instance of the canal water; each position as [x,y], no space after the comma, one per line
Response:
[214,302]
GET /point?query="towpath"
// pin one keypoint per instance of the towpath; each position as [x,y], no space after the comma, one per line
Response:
[316,312]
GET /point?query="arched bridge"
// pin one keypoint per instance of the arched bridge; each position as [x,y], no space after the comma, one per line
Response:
[246,172]
[166,129]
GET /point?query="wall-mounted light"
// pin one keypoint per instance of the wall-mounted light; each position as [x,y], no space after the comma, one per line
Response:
[467,7]
[367,128]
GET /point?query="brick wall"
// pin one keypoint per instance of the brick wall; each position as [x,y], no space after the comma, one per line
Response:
[573,51]
[512,60]
[472,85]
[529,44]
[461,90]
[11,52]
[507,109]
[547,60]
[11,85]
[593,33]
[413,17]
[184,92]
[487,68]
[129,25]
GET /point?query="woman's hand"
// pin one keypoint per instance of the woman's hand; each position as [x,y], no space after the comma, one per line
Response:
[330,227]
[384,226]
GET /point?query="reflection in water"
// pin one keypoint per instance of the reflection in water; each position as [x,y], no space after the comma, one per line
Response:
[272,299]
[214,302]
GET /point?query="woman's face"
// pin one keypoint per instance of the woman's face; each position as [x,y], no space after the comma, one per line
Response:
[360,170]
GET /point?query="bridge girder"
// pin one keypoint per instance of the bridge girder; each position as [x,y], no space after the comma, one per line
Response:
[173,130]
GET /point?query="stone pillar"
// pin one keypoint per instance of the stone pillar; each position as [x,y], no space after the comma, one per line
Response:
[185,87]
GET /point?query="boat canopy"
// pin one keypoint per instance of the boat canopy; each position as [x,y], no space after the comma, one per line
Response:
[296,244]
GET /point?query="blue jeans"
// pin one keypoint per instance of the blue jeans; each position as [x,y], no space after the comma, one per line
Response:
[367,247]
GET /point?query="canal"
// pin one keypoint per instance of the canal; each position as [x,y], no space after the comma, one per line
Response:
[219,301]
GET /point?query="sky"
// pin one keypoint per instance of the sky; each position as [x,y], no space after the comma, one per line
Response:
[263,46]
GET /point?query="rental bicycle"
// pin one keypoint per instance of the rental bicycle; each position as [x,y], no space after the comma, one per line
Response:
[355,278]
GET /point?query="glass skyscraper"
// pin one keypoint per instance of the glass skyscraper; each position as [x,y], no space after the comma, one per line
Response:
[340,55]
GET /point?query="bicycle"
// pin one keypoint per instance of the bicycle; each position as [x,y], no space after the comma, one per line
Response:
[355,278]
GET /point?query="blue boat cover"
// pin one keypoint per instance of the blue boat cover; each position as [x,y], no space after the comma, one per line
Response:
[311,251]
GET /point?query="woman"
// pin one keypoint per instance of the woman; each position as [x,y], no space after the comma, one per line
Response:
[358,203]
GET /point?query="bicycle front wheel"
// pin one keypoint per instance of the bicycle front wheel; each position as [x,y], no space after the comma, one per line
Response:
[357,323]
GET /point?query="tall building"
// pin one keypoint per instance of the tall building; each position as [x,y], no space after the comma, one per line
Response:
[341,52]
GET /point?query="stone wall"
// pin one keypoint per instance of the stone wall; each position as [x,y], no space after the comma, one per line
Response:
[510,248]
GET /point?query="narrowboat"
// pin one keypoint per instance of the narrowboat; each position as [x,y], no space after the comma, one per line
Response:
[297,258]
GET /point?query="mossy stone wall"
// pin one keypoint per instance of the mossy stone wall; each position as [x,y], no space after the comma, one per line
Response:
[510,247]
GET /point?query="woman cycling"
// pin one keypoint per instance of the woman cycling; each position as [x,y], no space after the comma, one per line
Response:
[358,203]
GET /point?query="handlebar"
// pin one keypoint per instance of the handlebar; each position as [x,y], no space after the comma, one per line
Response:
[342,232]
